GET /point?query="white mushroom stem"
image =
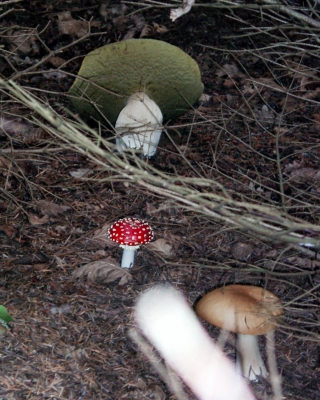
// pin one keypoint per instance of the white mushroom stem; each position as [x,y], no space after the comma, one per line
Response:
[139,125]
[128,254]
[172,327]
[249,362]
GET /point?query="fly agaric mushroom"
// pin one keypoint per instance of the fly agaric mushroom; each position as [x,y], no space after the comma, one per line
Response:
[135,85]
[130,233]
[167,320]
[248,311]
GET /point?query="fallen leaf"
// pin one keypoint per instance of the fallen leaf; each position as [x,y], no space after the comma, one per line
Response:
[35,220]
[121,22]
[242,251]
[51,209]
[22,42]
[298,173]
[63,309]
[160,28]
[100,237]
[231,70]
[303,262]
[150,208]
[162,247]
[266,83]
[79,173]
[38,258]
[77,354]
[54,74]
[56,61]
[19,129]
[104,271]
[264,116]
[8,230]
[103,11]
[139,21]
[72,27]
[152,30]
[155,392]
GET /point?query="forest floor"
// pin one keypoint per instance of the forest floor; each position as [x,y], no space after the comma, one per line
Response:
[256,134]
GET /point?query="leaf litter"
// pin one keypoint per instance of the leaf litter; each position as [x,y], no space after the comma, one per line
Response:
[105,270]
[258,96]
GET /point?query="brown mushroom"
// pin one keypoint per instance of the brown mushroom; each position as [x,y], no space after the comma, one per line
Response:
[248,311]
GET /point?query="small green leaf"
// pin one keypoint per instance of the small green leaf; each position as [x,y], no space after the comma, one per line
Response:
[4,315]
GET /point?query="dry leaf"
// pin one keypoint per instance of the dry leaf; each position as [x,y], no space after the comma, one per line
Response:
[117,9]
[35,220]
[105,270]
[75,28]
[151,208]
[298,173]
[149,31]
[63,309]
[160,28]
[121,22]
[100,237]
[21,130]
[51,209]
[230,70]
[162,247]
[54,74]
[8,230]
[305,175]
[242,251]
[265,116]
[12,126]
[138,21]
[103,11]
[79,173]
[77,354]
[129,35]
[303,262]
[22,42]
[56,61]
[268,83]
[155,392]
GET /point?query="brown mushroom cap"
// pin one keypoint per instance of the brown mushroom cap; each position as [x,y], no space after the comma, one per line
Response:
[242,309]
[110,74]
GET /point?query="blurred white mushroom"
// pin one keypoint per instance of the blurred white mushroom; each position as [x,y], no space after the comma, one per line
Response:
[168,322]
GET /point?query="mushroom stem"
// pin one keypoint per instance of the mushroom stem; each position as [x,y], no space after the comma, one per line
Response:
[248,358]
[138,125]
[128,254]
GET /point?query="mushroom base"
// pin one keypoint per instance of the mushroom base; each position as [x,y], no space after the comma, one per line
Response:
[249,362]
[146,142]
[138,125]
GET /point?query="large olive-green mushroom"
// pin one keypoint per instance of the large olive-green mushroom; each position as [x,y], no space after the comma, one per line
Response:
[248,311]
[136,85]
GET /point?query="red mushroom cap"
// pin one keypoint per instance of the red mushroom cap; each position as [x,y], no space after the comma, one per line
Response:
[130,232]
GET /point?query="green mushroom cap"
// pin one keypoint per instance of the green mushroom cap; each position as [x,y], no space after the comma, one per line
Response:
[110,74]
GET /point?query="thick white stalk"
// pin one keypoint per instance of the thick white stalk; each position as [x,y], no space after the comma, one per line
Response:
[249,362]
[139,125]
[172,327]
[128,254]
